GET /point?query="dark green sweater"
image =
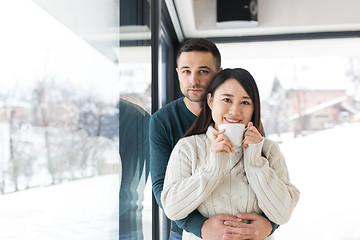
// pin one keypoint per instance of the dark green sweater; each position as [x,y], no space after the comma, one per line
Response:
[167,126]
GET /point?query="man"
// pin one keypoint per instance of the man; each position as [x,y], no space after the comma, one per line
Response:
[198,61]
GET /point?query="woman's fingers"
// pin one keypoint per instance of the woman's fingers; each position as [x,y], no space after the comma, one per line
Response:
[221,143]
[251,136]
[217,133]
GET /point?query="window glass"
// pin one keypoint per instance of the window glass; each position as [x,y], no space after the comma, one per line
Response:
[59,87]
[135,108]
[310,105]
[134,61]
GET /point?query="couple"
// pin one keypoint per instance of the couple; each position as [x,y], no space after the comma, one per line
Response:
[212,189]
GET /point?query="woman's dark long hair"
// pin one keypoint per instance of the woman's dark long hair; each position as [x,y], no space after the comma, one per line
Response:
[247,81]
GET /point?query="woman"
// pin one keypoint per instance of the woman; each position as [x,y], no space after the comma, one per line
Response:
[207,172]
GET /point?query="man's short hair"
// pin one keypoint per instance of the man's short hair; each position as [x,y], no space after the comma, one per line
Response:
[201,45]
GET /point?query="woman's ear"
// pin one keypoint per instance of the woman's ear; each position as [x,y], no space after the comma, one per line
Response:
[209,100]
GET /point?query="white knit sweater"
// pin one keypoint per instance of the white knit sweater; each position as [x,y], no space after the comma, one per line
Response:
[214,183]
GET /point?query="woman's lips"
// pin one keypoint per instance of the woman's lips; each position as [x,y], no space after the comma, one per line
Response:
[228,120]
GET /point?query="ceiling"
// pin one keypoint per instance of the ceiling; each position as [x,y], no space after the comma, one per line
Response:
[197,18]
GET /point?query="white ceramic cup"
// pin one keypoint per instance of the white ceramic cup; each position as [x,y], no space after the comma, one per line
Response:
[234,131]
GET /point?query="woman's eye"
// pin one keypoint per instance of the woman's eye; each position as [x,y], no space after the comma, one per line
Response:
[226,100]
[245,102]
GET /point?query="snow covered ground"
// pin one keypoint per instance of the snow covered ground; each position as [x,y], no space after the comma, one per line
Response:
[85,209]
[325,166]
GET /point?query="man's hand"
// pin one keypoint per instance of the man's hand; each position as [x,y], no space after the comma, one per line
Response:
[215,229]
[259,227]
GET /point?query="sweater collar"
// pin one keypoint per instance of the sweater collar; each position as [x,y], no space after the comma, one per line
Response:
[209,132]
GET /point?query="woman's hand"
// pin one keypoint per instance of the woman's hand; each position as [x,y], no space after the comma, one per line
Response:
[251,135]
[221,142]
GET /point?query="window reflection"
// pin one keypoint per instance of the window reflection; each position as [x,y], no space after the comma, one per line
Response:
[135,200]
[134,57]
[134,153]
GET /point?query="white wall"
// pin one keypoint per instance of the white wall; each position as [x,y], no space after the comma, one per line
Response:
[198,17]
[282,13]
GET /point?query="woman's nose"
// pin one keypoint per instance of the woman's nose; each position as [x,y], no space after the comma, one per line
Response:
[234,109]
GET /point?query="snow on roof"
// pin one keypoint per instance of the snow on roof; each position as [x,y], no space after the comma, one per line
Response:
[318,107]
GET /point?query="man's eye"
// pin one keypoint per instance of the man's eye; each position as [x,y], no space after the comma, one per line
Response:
[203,71]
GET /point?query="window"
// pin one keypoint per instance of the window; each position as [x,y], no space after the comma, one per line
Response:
[59,159]
[309,92]
[134,55]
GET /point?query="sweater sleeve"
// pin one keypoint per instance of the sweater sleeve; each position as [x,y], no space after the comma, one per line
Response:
[268,177]
[160,150]
[185,187]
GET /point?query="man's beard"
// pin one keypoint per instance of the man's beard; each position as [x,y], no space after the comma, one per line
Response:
[194,97]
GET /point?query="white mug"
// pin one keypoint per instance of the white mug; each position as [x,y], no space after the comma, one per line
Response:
[234,131]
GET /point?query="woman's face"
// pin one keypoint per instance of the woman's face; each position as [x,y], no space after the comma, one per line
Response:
[230,104]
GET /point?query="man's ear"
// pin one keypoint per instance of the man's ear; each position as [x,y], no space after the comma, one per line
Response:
[209,100]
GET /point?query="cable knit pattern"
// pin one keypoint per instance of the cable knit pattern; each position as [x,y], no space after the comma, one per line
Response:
[215,183]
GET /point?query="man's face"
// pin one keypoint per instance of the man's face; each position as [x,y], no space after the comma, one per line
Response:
[195,71]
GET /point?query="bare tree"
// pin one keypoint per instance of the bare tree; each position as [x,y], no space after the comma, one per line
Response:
[8,116]
[298,95]
[353,73]
[13,163]
[274,110]
[55,112]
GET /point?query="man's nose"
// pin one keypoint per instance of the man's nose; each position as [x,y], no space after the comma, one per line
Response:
[194,79]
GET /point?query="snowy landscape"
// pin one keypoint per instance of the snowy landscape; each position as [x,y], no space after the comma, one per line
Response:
[323,165]
[84,209]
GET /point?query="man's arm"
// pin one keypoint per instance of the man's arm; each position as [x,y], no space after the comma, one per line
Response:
[160,150]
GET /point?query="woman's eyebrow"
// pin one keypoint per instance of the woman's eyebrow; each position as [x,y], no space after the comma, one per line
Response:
[227,94]
[231,95]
